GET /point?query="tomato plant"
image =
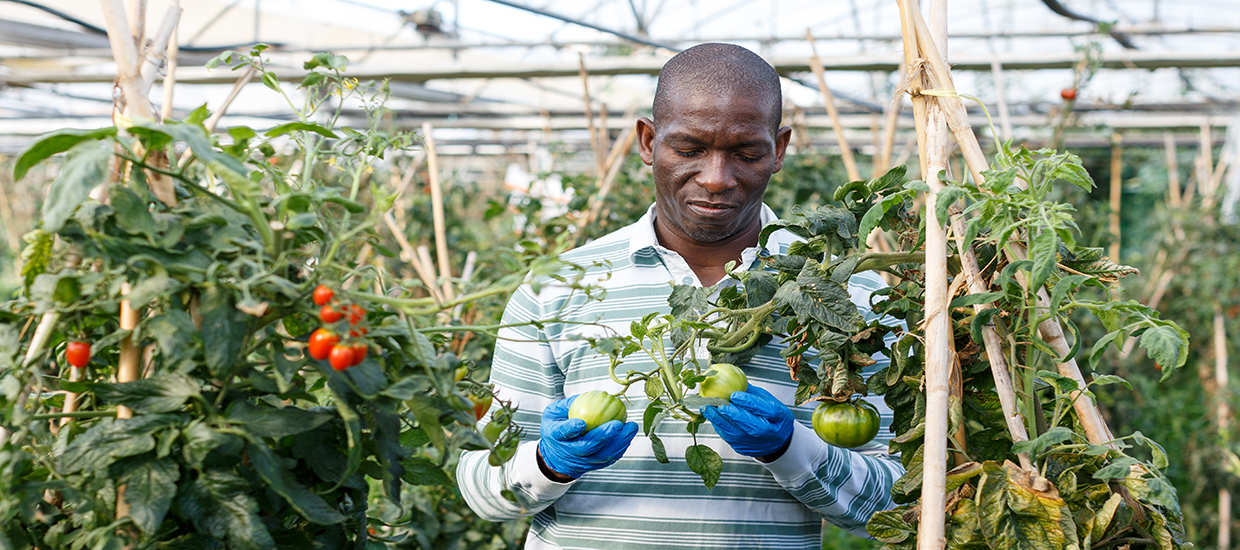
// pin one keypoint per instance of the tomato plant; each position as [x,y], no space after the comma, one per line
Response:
[846,424]
[597,408]
[233,435]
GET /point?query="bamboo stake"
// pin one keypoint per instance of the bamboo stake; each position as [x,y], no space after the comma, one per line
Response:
[1173,170]
[410,255]
[850,164]
[615,161]
[1223,414]
[594,141]
[891,114]
[127,370]
[137,21]
[125,52]
[158,46]
[170,76]
[441,238]
[933,148]
[1117,189]
[467,275]
[1206,177]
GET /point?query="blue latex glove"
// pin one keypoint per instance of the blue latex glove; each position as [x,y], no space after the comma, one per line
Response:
[755,424]
[566,450]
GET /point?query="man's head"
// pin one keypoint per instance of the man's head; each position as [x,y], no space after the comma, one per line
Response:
[713,144]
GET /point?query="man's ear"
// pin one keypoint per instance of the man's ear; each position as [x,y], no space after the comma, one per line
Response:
[645,139]
[781,146]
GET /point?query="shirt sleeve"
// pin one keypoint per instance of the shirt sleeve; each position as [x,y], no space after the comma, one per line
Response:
[524,371]
[845,486]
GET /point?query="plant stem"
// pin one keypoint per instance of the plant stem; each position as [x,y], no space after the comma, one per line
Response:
[76,414]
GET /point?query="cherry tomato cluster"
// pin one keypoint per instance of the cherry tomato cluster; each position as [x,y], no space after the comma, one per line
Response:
[325,342]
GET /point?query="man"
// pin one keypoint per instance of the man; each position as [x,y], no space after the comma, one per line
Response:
[713,144]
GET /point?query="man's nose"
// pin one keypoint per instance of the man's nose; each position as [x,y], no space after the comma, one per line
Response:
[716,175]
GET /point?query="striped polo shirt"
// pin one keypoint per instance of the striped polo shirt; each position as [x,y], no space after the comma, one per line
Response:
[639,502]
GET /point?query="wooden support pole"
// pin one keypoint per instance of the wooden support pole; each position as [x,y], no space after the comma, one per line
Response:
[850,164]
[170,74]
[933,148]
[128,368]
[1173,170]
[125,52]
[1222,413]
[594,140]
[1205,176]
[1117,190]
[891,114]
[615,161]
[441,237]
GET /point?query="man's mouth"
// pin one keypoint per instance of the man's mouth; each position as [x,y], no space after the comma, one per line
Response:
[710,209]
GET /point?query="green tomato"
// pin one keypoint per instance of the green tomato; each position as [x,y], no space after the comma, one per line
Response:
[848,424]
[728,378]
[597,408]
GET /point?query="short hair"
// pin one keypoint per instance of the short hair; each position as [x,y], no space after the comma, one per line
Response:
[719,69]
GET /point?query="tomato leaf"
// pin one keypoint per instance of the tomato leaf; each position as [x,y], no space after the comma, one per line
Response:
[309,504]
[158,394]
[974,299]
[150,485]
[1165,345]
[265,421]
[421,470]
[218,504]
[656,444]
[85,168]
[704,461]
[57,142]
[300,126]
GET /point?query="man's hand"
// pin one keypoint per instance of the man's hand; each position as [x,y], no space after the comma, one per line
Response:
[755,424]
[567,451]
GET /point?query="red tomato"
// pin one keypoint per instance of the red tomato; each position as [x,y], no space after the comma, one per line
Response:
[77,353]
[359,353]
[1068,94]
[356,314]
[323,295]
[321,342]
[328,314]
[341,357]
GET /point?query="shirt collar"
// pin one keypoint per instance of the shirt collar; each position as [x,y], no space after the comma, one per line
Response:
[644,241]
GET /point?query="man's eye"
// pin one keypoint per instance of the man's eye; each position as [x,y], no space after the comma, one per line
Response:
[751,158]
[689,153]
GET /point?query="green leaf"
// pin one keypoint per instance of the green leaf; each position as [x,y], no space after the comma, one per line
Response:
[889,526]
[151,288]
[1108,379]
[110,439]
[1100,347]
[704,461]
[225,328]
[974,299]
[1163,344]
[426,410]
[1043,254]
[265,421]
[654,388]
[1102,519]
[307,503]
[50,144]
[86,167]
[813,296]
[150,486]
[36,255]
[660,453]
[1156,451]
[651,417]
[353,207]
[300,126]
[158,394]
[421,470]
[1020,511]
[948,196]
[218,503]
[980,320]
[1039,446]
[1117,469]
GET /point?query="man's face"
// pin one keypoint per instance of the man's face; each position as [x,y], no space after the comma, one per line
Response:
[712,157]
